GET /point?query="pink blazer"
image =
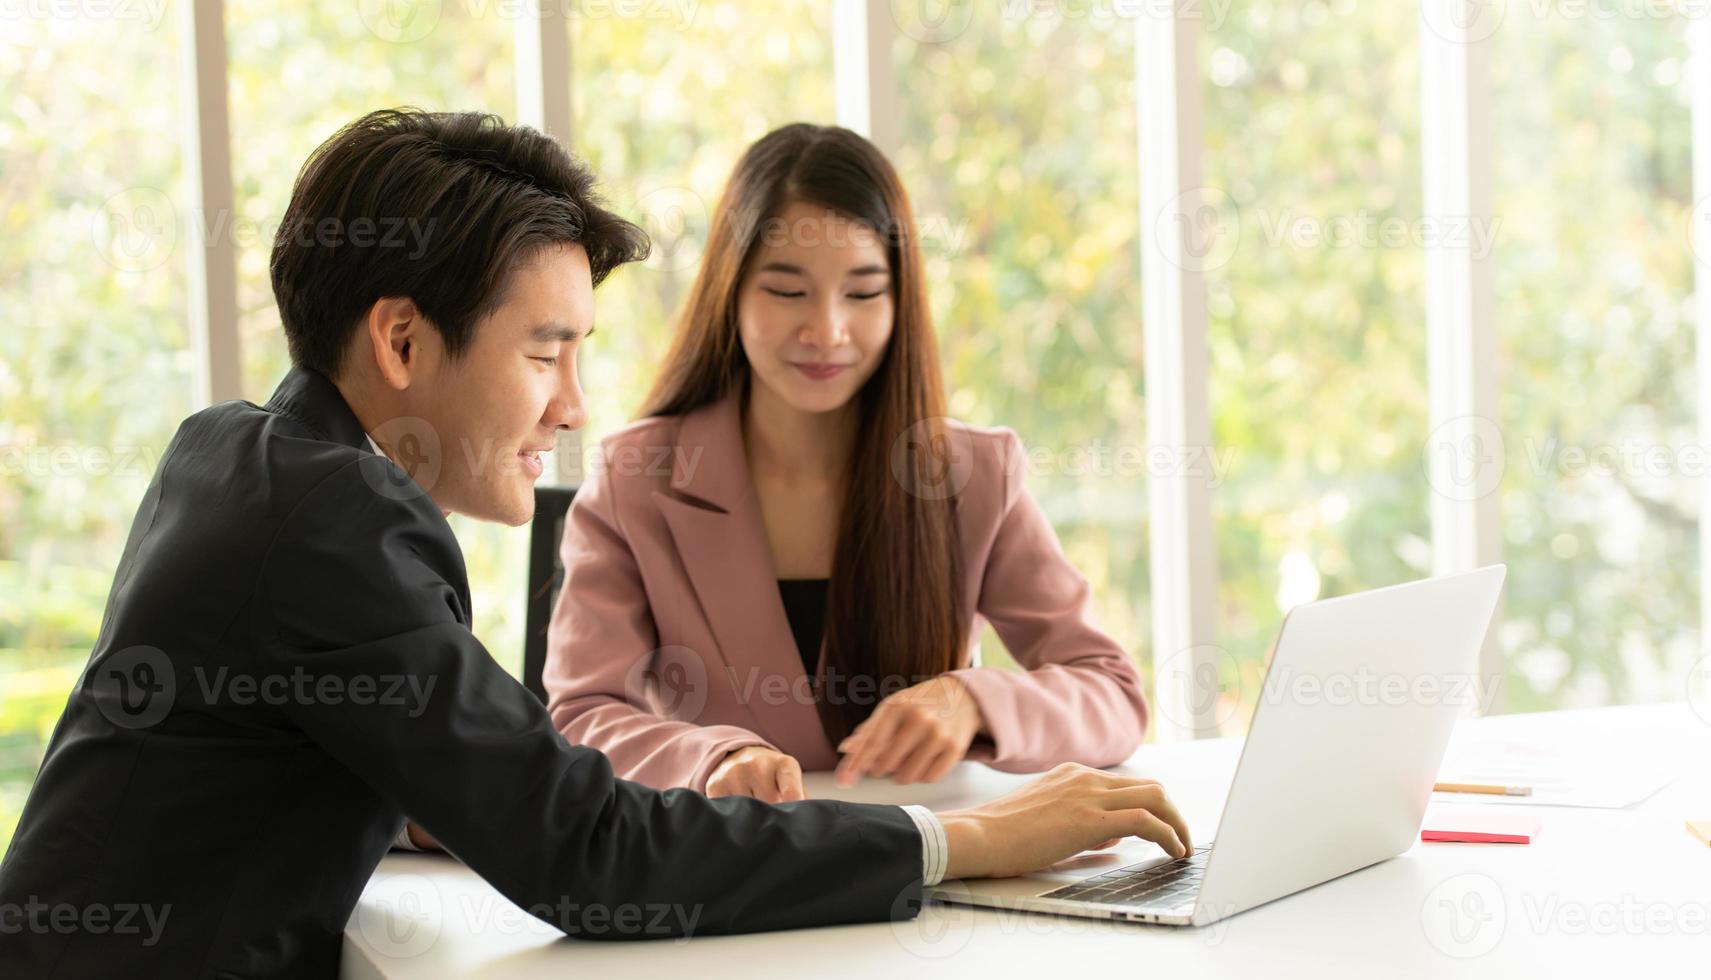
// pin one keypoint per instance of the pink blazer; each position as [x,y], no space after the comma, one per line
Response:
[669,646]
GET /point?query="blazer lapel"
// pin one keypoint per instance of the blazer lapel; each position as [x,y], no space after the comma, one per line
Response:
[716,524]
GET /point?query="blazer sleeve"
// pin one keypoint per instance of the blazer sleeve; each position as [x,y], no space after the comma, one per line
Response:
[358,588]
[1080,697]
[601,643]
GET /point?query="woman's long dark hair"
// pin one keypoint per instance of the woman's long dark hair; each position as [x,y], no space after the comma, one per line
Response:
[893,605]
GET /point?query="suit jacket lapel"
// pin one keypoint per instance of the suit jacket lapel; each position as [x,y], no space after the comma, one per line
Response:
[716,524]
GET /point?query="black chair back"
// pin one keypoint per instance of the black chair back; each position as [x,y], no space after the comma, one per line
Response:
[546,577]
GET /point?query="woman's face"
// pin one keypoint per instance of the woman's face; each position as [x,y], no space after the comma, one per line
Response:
[814,309]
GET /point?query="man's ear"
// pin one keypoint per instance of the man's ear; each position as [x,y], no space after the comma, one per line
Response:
[395,330]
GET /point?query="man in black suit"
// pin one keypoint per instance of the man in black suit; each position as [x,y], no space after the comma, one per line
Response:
[286,671]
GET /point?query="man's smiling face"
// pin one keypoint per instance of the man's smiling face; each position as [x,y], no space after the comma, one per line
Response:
[499,405]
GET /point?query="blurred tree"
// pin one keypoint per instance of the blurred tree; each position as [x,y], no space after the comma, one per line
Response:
[94,360]
[663,109]
[1027,198]
[1596,345]
[1317,323]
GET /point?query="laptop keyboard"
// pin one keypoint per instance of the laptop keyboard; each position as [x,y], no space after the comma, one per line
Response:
[1167,885]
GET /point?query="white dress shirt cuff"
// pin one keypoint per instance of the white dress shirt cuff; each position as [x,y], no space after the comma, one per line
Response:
[403,842]
[935,850]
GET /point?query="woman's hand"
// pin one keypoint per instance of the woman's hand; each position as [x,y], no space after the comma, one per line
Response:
[914,736]
[767,775]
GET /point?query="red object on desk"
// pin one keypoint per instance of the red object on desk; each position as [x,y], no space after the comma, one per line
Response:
[1482,825]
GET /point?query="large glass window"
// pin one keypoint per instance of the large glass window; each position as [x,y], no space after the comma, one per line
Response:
[95,368]
[1027,199]
[1314,266]
[1312,243]
[1595,332]
[300,71]
[663,109]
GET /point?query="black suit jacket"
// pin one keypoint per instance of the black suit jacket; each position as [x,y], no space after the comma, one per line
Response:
[284,671]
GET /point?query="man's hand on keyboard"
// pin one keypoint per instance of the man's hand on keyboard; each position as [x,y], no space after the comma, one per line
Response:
[1069,810]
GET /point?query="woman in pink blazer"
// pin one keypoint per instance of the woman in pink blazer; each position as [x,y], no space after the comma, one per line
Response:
[788,558]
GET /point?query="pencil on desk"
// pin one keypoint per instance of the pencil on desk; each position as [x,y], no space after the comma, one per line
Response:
[1486,788]
[1700,829]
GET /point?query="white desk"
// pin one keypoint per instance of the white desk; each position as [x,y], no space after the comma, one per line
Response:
[1609,893]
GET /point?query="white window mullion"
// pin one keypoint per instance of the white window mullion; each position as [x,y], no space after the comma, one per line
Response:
[542,57]
[1465,452]
[863,32]
[543,71]
[212,262]
[1173,288]
[1699,38]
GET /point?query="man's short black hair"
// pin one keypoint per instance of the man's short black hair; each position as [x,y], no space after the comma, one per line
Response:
[437,206]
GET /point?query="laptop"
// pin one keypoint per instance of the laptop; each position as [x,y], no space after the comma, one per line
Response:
[1343,747]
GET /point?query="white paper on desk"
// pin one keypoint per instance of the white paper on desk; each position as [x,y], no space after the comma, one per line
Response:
[1588,773]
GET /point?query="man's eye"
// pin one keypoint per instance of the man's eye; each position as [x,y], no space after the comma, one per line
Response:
[548,361]
[781,294]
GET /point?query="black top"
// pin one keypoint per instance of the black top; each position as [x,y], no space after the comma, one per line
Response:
[285,669]
[805,607]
